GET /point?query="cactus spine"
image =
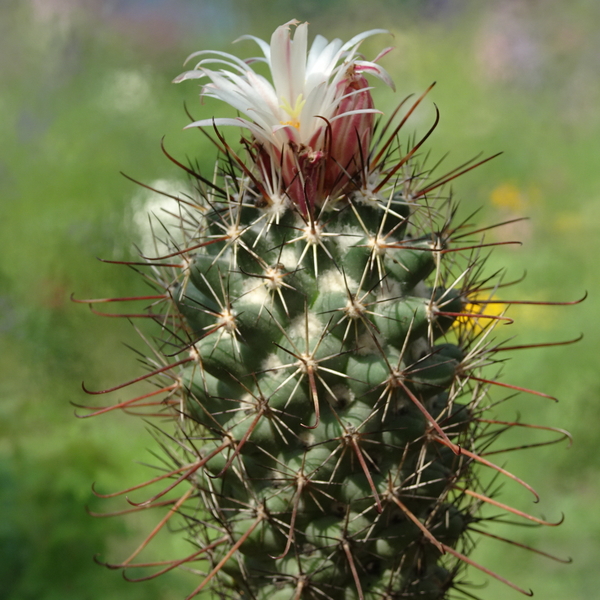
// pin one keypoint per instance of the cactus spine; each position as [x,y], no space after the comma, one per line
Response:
[323,333]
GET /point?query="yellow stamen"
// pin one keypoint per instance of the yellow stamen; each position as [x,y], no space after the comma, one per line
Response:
[293,111]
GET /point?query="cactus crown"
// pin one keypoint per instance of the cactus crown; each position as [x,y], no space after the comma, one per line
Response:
[323,331]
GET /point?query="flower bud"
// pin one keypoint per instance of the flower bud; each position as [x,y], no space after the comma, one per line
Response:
[351,132]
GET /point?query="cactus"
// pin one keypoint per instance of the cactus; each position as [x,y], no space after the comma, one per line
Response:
[323,330]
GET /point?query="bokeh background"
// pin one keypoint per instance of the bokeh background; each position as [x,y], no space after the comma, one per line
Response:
[85,93]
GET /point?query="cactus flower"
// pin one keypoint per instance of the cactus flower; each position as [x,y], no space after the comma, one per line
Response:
[315,118]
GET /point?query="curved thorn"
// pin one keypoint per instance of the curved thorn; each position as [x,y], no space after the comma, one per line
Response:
[408,156]
[173,564]
[191,470]
[511,387]
[531,302]
[483,229]
[436,426]
[510,509]
[346,548]
[226,557]
[524,546]
[137,379]
[160,525]
[418,523]
[139,485]
[290,537]
[239,446]
[191,172]
[563,432]
[471,562]
[494,466]
[399,126]
[101,411]
[367,473]
[441,182]
[187,250]
[153,316]
[139,264]
[127,299]
[315,398]
[473,316]
[128,510]
[501,348]
[477,246]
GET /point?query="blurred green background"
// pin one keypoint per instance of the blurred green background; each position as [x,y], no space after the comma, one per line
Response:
[85,92]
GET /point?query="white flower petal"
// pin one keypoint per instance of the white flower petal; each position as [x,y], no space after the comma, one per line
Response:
[374,69]
[266,49]
[316,50]
[288,61]
[188,75]
[362,111]
[236,122]
[306,87]
[357,39]
[324,57]
[234,60]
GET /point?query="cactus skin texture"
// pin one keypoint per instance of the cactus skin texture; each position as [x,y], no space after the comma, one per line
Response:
[322,361]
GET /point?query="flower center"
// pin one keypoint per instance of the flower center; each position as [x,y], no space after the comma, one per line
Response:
[293,111]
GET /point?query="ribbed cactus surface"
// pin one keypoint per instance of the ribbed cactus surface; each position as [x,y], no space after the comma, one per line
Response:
[322,377]
[323,332]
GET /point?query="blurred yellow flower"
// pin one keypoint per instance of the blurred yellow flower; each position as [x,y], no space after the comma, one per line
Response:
[515,199]
[509,196]
[495,309]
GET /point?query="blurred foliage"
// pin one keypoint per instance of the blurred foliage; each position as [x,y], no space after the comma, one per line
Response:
[85,93]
